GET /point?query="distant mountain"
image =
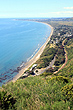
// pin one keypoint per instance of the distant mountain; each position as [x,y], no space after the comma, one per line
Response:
[69,19]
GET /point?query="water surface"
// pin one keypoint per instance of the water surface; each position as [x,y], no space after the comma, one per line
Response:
[19,41]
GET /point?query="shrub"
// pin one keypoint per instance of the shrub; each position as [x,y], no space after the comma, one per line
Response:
[60,105]
[37,71]
[61,78]
[6,101]
[67,91]
[46,74]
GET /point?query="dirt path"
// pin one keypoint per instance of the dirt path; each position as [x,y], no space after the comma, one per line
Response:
[66,59]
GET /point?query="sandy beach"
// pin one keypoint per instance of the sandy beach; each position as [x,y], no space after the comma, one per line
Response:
[35,58]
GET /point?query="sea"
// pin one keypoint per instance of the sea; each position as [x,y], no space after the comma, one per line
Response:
[19,41]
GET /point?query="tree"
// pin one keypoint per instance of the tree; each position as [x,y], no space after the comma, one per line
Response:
[6,101]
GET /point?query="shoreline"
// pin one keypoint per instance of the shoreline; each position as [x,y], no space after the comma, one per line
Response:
[36,56]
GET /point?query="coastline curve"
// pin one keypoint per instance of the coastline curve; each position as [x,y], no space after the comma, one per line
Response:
[36,57]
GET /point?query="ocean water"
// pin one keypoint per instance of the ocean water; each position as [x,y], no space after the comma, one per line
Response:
[19,42]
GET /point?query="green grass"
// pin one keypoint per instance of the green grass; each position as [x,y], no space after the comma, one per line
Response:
[38,93]
[68,69]
[46,57]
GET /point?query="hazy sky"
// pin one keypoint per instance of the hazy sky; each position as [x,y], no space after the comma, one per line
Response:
[36,8]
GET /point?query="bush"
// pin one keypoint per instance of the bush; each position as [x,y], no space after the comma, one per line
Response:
[46,74]
[60,105]
[37,71]
[6,101]
[61,78]
[67,91]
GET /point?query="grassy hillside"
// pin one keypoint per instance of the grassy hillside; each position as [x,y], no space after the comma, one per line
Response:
[38,93]
[46,57]
[68,69]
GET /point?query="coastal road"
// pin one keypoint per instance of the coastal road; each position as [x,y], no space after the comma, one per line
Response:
[50,65]
[66,59]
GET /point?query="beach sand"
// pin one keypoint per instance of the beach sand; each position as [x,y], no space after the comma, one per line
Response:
[35,58]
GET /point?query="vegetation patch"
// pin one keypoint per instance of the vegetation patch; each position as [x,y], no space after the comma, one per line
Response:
[6,101]
[39,93]
[67,71]
[61,78]
[67,91]
[46,57]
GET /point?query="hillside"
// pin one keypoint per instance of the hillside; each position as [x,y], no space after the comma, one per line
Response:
[67,71]
[47,91]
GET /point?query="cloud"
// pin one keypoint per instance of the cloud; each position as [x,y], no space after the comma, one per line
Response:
[57,14]
[68,8]
[63,12]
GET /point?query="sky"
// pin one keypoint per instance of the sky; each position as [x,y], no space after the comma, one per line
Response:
[36,8]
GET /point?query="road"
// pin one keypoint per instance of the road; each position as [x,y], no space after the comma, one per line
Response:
[66,59]
[50,65]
